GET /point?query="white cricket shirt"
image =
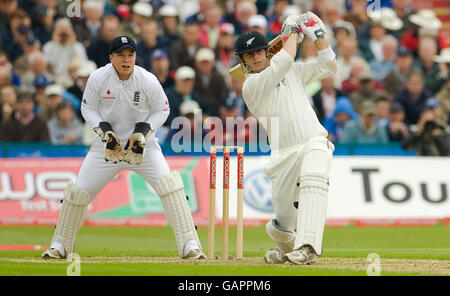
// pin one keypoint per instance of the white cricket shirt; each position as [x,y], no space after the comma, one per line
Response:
[276,97]
[141,98]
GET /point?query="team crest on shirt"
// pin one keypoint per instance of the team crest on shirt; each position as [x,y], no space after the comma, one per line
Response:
[136,98]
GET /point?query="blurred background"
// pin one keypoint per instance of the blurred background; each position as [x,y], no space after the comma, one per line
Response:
[386,109]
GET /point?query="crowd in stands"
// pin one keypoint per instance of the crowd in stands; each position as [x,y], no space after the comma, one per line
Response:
[392,82]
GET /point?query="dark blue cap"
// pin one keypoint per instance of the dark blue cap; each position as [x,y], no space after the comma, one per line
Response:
[432,103]
[159,53]
[121,42]
[41,81]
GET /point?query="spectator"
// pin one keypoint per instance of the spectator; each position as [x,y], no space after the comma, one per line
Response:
[199,16]
[14,39]
[387,19]
[433,104]
[244,10]
[380,68]
[209,83]
[236,96]
[430,137]
[37,67]
[99,48]
[186,128]
[341,31]
[53,94]
[43,21]
[444,99]
[8,99]
[358,14]
[210,28]
[7,74]
[183,51]
[427,51]
[22,65]
[324,101]
[383,104]
[341,115]
[424,23]
[7,9]
[413,97]
[65,128]
[161,68]
[371,47]
[88,28]
[365,129]
[40,83]
[62,49]
[224,51]
[232,131]
[366,90]
[181,92]
[259,24]
[73,67]
[148,43]
[345,56]
[331,14]
[170,25]
[396,79]
[396,129]
[24,125]
[274,20]
[140,15]
[403,9]
[77,90]
[5,77]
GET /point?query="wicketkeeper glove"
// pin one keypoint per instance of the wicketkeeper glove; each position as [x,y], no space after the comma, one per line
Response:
[135,148]
[292,24]
[312,26]
[113,151]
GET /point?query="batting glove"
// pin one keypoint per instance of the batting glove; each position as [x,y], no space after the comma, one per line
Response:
[312,26]
[292,24]
[113,151]
[135,148]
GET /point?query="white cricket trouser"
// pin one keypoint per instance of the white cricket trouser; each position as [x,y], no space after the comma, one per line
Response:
[284,171]
[95,172]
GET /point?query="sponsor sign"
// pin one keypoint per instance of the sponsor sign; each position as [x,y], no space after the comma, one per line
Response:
[364,191]
[31,191]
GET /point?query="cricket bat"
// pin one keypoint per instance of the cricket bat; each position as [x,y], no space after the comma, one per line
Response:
[275,45]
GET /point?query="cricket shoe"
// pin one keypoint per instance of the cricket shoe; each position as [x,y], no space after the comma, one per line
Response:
[195,254]
[303,256]
[52,253]
[274,256]
[192,251]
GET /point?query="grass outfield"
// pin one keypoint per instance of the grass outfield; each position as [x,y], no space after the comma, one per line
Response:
[151,251]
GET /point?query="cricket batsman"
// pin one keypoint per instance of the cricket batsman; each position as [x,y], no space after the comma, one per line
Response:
[124,104]
[301,153]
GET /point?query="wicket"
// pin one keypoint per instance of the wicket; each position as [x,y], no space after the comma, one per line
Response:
[226,197]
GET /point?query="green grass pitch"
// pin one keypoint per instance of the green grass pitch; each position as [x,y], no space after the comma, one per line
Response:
[151,251]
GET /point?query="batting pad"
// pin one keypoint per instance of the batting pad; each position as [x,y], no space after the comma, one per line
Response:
[71,216]
[284,239]
[312,211]
[170,189]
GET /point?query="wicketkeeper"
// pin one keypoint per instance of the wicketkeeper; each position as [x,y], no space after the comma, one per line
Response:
[124,104]
[301,153]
